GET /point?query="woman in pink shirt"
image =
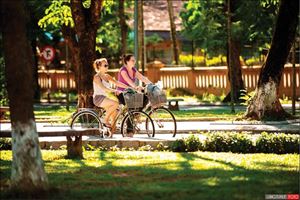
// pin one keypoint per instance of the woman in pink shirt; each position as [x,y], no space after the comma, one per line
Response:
[129,75]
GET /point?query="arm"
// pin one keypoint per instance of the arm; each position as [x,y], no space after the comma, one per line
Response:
[117,83]
[142,78]
[98,81]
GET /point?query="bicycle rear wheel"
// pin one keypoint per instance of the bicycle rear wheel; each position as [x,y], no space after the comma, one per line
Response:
[135,122]
[88,119]
[164,120]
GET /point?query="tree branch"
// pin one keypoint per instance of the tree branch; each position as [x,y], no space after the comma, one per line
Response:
[95,12]
[77,10]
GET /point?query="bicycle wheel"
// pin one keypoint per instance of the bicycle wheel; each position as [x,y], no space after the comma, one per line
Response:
[164,120]
[88,119]
[135,122]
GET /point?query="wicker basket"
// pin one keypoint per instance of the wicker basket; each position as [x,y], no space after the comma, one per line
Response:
[157,99]
[134,100]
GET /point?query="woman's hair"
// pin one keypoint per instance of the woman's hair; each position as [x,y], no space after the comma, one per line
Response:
[126,58]
[97,63]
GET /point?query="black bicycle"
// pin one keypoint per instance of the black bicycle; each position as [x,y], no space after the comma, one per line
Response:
[130,119]
[163,119]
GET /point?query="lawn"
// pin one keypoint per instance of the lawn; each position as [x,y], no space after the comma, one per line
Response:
[166,175]
[61,115]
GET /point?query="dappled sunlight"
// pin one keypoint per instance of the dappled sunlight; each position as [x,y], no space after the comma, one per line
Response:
[214,181]
[166,175]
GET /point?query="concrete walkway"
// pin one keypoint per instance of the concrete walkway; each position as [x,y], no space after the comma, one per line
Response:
[184,128]
[163,136]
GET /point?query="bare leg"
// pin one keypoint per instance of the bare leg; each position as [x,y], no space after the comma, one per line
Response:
[111,110]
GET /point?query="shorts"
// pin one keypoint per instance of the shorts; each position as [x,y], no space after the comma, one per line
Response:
[98,99]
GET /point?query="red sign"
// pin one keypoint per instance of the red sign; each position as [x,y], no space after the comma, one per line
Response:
[48,53]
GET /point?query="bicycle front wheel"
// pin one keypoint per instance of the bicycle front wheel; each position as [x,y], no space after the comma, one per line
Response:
[135,123]
[164,120]
[87,119]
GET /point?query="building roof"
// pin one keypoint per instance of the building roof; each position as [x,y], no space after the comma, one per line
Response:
[156,16]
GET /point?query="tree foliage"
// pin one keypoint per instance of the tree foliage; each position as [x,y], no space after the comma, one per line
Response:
[108,39]
[205,22]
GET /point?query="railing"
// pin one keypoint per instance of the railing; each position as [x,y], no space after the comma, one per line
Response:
[200,80]
[56,80]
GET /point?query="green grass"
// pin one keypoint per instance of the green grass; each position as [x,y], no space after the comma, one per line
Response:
[198,114]
[166,175]
[60,113]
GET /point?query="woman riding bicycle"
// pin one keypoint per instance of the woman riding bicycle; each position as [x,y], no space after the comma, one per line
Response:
[128,75]
[102,89]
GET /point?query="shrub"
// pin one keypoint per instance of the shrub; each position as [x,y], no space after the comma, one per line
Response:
[216,61]
[146,148]
[179,92]
[187,60]
[193,143]
[5,144]
[252,61]
[277,143]
[241,143]
[216,141]
[210,97]
[161,147]
[234,142]
[3,91]
[179,145]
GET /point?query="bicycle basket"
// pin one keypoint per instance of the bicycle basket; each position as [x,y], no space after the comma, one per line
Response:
[157,97]
[134,100]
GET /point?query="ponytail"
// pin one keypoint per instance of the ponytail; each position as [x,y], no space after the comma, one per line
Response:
[126,58]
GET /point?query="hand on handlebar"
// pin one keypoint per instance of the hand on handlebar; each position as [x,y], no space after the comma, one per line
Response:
[139,88]
[117,92]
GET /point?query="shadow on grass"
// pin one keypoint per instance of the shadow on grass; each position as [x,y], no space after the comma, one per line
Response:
[111,175]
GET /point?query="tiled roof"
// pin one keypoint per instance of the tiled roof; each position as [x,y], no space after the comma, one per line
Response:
[156,16]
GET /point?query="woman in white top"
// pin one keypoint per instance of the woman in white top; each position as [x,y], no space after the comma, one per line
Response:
[101,90]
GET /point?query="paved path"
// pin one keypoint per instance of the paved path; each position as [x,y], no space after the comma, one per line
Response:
[164,136]
[186,127]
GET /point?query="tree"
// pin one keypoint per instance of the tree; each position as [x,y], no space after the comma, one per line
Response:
[205,23]
[79,21]
[28,172]
[265,102]
[173,32]
[123,27]
[141,35]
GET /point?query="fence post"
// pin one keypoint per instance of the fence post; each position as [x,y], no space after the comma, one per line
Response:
[192,81]
[153,72]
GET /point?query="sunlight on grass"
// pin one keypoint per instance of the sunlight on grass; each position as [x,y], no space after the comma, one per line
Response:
[166,175]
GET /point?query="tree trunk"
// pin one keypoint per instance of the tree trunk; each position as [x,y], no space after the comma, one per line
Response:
[265,103]
[69,35]
[36,86]
[173,32]
[28,174]
[82,43]
[141,36]
[238,84]
[86,22]
[123,27]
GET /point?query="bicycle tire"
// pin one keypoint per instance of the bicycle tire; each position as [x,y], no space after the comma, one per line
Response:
[162,117]
[138,119]
[87,119]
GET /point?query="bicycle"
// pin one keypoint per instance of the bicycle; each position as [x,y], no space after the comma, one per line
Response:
[130,114]
[161,116]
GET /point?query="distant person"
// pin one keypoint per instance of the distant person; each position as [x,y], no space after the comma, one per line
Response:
[102,89]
